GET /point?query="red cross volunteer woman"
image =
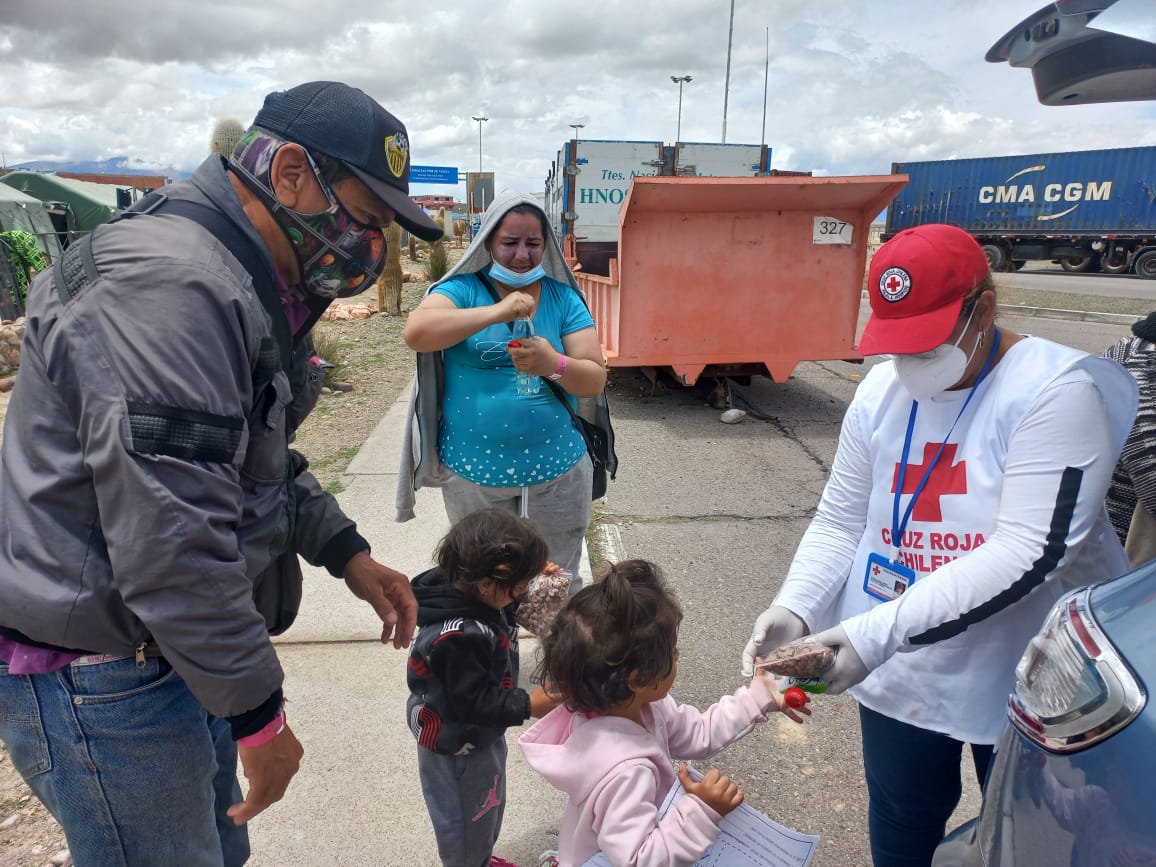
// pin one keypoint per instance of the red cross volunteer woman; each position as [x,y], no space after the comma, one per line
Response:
[966,496]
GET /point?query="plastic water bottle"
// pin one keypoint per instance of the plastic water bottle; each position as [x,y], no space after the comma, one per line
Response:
[527,383]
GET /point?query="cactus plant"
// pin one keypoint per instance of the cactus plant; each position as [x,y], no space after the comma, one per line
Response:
[226,134]
[389,283]
[439,258]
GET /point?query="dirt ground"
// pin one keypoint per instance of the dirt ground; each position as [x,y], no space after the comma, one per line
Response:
[370,356]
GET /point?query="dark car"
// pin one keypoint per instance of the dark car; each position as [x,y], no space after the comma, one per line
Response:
[1085,51]
[1073,781]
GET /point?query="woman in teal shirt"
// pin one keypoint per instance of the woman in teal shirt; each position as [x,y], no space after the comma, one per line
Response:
[501,447]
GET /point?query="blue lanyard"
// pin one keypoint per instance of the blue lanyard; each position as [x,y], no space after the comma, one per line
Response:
[897,527]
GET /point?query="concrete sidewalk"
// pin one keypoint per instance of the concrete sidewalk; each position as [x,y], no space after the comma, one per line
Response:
[357,798]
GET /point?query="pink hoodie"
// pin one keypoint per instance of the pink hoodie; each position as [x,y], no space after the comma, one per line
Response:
[617,775]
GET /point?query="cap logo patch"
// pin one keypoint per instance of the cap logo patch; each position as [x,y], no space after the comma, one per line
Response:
[894,284]
[396,153]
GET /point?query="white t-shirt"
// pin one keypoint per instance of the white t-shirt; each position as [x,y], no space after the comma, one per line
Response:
[1011,518]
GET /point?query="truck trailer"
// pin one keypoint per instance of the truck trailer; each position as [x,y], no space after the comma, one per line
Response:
[589,181]
[1086,210]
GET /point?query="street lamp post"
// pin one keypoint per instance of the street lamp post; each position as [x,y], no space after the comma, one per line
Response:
[480,119]
[680,80]
[576,127]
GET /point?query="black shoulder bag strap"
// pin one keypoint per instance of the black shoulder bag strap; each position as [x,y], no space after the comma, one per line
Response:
[78,267]
[559,392]
[245,252]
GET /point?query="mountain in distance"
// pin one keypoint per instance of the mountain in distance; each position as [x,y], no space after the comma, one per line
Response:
[110,166]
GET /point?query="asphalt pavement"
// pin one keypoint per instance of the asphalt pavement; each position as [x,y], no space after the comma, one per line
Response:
[719,507]
[1053,278]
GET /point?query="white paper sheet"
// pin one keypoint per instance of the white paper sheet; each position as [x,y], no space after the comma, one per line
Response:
[747,839]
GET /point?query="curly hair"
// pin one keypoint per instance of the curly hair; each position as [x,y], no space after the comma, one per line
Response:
[613,636]
[494,544]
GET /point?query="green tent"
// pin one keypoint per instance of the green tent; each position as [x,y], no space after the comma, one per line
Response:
[87,204]
[21,211]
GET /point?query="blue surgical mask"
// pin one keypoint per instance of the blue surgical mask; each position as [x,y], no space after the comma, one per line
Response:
[516,279]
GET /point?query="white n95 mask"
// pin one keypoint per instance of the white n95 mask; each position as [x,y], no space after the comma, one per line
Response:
[931,373]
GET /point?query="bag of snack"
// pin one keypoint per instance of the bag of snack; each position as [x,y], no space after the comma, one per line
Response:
[548,593]
[803,657]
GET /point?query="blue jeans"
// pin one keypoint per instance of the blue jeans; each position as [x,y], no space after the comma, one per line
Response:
[129,763]
[914,786]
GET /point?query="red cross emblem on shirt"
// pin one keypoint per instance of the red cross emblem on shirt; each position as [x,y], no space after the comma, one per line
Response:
[946,478]
[894,283]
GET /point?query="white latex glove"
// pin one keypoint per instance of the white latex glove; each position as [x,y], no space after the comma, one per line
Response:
[774,628]
[848,669]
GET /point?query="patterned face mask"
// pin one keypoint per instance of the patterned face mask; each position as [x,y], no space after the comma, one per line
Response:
[337,255]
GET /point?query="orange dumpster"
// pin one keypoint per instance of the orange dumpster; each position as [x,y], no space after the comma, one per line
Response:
[737,275]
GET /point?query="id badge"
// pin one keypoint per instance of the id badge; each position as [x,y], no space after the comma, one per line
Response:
[886,579]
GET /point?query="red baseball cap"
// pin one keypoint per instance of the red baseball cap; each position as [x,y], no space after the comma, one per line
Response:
[916,285]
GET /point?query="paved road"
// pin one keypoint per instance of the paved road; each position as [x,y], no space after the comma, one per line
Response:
[1043,275]
[722,508]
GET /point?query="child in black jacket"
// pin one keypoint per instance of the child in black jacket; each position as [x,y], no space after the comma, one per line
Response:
[463,674]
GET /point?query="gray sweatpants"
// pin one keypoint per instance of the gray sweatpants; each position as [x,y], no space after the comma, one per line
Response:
[466,798]
[560,509]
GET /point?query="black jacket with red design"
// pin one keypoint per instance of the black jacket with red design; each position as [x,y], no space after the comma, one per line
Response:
[463,670]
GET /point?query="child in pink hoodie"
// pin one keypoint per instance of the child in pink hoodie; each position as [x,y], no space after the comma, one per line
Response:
[612,655]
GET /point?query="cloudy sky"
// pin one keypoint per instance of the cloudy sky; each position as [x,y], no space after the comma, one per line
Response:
[854,84]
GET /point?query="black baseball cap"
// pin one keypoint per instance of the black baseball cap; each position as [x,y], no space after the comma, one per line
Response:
[344,123]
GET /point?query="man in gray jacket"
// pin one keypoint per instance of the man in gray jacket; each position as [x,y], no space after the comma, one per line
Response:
[152,510]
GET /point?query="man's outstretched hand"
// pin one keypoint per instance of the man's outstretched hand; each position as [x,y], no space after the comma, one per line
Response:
[388,591]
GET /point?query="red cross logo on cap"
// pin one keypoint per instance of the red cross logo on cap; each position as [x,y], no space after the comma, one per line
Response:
[894,284]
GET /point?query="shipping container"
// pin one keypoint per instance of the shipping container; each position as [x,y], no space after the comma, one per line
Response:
[589,181]
[1086,210]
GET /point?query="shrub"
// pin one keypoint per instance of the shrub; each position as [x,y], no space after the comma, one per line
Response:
[328,348]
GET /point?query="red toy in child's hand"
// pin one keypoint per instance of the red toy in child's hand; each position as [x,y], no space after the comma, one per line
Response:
[514,344]
[795,698]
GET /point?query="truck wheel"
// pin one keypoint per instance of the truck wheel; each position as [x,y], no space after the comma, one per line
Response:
[996,257]
[1079,264]
[1114,266]
[1145,265]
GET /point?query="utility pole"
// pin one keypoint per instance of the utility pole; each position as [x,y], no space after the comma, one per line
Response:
[766,78]
[727,86]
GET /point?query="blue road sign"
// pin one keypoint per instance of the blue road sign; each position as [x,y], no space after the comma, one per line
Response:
[433,175]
